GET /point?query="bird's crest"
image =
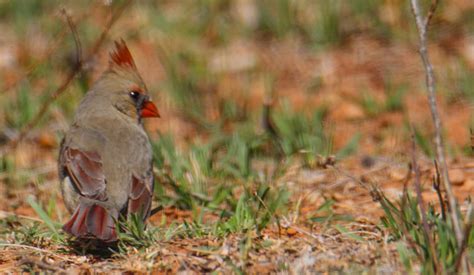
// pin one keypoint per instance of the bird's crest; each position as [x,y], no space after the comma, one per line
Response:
[121,56]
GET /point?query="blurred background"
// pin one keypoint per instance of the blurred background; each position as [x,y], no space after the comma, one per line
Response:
[282,78]
[258,100]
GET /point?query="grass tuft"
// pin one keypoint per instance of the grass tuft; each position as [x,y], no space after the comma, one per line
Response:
[133,232]
[403,219]
[54,227]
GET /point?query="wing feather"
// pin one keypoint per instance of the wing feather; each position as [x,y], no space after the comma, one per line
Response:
[141,196]
[85,169]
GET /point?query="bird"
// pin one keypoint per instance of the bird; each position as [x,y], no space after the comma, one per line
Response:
[105,158]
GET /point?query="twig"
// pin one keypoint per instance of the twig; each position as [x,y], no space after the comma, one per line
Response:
[437,187]
[431,11]
[405,185]
[115,16]
[472,139]
[267,122]
[422,26]
[67,81]
[5,214]
[35,249]
[77,41]
[362,232]
[421,204]
[156,210]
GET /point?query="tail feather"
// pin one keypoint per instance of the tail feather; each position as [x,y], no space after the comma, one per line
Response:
[101,224]
[76,225]
[92,221]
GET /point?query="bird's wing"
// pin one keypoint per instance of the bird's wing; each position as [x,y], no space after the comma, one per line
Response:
[85,171]
[141,196]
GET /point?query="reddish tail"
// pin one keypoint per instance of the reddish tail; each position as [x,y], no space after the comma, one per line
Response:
[91,222]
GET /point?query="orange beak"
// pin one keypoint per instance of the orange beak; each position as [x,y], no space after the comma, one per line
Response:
[149,110]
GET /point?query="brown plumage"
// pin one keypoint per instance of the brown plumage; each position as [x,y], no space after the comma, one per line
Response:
[105,160]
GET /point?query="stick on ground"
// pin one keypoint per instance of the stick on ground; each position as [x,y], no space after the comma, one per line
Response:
[421,205]
[422,24]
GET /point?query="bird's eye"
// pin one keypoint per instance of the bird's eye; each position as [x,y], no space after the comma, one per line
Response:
[134,95]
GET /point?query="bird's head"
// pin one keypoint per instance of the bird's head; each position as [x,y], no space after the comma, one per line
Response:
[124,87]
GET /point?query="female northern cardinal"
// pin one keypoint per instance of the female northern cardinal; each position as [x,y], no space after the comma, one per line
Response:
[105,160]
